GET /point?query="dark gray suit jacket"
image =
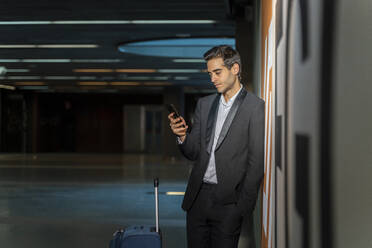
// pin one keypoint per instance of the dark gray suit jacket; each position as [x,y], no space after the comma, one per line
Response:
[239,153]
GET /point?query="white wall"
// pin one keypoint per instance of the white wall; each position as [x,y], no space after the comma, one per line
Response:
[352,129]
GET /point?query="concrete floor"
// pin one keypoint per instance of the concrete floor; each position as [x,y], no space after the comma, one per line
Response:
[79,200]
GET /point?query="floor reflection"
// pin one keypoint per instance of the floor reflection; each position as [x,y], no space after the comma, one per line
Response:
[79,200]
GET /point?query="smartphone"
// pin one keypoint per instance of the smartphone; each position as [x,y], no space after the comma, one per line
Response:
[172,109]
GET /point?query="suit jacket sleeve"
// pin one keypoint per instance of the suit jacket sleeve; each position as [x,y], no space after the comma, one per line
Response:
[255,170]
[190,148]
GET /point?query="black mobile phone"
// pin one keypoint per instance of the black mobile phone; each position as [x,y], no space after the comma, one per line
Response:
[172,109]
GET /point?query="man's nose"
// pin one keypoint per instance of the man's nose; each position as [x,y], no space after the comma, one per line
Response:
[213,79]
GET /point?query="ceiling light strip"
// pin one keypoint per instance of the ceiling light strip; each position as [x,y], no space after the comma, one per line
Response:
[140,70]
[84,22]
[173,22]
[61,60]
[189,60]
[20,46]
[46,60]
[10,60]
[23,77]
[17,70]
[97,60]
[68,46]
[181,78]
[60,77]
[136,70]
[17,46]
[92,22]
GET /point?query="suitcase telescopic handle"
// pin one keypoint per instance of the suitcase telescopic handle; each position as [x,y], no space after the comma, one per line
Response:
[156,186]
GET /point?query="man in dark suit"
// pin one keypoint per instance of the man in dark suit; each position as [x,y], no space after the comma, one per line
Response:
[227,144]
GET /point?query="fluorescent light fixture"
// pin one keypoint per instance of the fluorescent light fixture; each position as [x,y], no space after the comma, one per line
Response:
[17,70]
[6,46]
[34,87]
[125,83]
[107,78]
[80,22]
[136,70]
[179,71]
[68,46]
[61,60]
[60,77]
[25,22]
[97,60]
[175,193]
[29,83]
[24,77]
[140,71]
[87,78]
[10,60]
[7,87]
[17,46]
[181,78]
[92,83]
[157,83]
[94,70]
[46,60]
[189,60]
[91,22]
[173,22]
[161,78]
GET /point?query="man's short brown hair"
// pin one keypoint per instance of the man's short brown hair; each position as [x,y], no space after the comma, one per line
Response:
[229,56]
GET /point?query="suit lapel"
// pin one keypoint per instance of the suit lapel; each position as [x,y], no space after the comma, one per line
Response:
[211,123]
[230,117]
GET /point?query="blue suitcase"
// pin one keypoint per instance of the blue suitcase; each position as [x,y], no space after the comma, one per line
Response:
[140,236]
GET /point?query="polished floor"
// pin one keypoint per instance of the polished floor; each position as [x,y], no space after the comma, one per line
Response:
[79,200]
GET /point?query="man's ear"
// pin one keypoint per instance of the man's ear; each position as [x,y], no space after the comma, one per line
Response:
[235,68]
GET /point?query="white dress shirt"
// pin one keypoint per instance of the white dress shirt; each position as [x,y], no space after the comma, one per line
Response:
[223,111]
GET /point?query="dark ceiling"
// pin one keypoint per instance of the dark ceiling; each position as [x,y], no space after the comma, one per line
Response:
[57,76]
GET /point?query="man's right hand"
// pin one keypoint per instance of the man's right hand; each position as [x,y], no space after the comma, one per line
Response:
[178,126]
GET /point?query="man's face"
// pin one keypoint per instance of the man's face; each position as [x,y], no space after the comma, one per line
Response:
[224,79]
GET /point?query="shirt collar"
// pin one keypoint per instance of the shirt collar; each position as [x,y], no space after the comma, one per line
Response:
[232,99]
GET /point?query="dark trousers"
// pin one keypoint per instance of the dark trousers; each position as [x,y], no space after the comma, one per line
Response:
[212,225]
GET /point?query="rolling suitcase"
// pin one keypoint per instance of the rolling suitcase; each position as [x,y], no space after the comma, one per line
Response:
[140,236]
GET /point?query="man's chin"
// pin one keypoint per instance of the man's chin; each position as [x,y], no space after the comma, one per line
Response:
[220,90]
